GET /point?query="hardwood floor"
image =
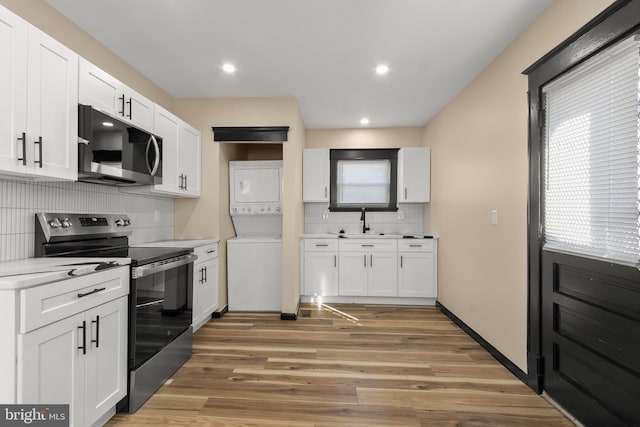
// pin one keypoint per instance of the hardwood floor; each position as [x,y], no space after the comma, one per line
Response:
[338,366]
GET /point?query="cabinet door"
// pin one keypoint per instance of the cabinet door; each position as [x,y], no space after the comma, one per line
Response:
[52,107]
[196,306]
[99,89]
[138,110]
[189,159]
[106,358]
[166,125]
[315,175]
[320,274]
[414,176]
[416,275]
[353,273]
[209,289]
[13,87]
[51,368]
[383,274]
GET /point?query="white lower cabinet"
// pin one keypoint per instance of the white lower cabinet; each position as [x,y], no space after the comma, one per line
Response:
[79,360]
[368,267]
[416,269]
[205,284]
[66,343]
[362,268]
[320,267]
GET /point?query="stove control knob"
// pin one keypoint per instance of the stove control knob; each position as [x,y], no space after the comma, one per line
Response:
[55,223]
[127,221]
[119,222]
[66,223]
[277,208]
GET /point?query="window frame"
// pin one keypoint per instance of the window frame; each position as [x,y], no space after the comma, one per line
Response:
[336,155]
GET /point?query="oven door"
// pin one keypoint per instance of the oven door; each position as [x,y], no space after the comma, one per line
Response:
[161,303]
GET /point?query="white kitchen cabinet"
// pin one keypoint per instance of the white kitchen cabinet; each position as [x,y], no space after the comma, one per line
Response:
[320,267]
[70,344]
[106,93]
[315,175]
[368,267]
[79,360]
[39,112]
[189,150]
[414,175]
[417,268]
[205,284]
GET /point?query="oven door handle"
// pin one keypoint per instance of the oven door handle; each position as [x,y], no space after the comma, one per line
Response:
[145,270]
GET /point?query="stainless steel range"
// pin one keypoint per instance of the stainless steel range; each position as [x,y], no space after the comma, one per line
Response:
[160,299]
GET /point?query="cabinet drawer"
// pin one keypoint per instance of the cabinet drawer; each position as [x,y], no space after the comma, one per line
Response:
[415,245]
[206,252]
[368,245]
[46,304]
[321,245]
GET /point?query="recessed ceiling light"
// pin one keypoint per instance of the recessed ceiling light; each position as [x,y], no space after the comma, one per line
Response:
[364,121]
[382,69]
[229,68]
[107,124]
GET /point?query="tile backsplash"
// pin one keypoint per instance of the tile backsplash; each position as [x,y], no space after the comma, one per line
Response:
[408,220]
[151,217]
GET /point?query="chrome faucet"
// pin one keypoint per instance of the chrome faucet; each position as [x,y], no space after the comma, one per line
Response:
[363,218]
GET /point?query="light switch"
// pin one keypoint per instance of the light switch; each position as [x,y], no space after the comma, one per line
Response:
[494,217]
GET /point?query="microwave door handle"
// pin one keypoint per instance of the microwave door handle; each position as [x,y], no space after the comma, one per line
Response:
[156,163]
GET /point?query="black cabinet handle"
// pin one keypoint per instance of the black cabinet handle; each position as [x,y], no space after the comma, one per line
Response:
[129,102]
[321,245]
[365,260]
[97,340]
[335,261]
[186,182]
[83,347]
[24,149]
[91,292]
[370,260]
[39,142]
[400,261]
[205,275]
[121,100]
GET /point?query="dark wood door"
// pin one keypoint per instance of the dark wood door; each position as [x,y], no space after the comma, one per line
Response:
[591,338]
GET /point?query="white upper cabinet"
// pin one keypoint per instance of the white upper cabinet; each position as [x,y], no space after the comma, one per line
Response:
[167,126]
[13,86]
[315,175]
[189,146]
[414,175]
[38,109]
[109,95]
[99,89]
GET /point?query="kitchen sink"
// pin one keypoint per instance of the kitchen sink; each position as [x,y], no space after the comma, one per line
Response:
[371,236]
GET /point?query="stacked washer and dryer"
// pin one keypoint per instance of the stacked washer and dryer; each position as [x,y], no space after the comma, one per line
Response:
[254,257]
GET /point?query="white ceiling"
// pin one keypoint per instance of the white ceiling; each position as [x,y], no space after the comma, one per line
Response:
[322,52]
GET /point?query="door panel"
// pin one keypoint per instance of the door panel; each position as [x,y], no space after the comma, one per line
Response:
[591,338]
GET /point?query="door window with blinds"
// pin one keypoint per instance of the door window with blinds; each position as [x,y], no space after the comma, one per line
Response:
[591,158]
[363,178]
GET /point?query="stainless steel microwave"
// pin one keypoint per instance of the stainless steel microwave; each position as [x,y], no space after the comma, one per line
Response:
[114,152]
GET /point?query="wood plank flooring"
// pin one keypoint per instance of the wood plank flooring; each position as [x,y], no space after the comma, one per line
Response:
[339,366]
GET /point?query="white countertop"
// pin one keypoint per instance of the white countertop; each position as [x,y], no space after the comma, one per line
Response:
[368,236]
[178,243]
[28,272]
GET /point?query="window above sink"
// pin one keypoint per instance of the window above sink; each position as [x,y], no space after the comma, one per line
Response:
[364,178]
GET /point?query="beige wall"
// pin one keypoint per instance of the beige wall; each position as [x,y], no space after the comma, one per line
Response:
[208,216]
[40,14]
[479,162]
[364,138]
